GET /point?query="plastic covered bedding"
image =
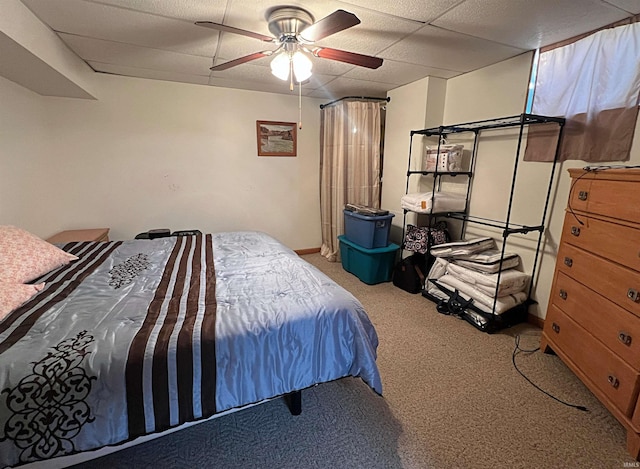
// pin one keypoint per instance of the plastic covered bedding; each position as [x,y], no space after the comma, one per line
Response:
[508,282]
[463,248]
[479,287]
[442,202]
[488,261]
[480,299]
[140,336]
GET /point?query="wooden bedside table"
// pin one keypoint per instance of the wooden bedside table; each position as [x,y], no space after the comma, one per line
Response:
[96,234]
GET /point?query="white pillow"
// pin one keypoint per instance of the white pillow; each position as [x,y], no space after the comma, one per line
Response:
[13,295]
[25,257]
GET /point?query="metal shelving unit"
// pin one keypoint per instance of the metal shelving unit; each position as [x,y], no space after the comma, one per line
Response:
[508,227]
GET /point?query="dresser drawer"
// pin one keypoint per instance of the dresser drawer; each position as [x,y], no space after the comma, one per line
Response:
[616,242]
[611,280]
[614,326]
[612,376]
[616,199]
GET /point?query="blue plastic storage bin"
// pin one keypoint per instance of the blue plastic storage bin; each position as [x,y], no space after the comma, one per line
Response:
[368,232]
[369,265]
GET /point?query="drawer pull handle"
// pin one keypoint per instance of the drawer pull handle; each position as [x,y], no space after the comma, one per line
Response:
[624,338]
[575,231]
[613,381]
[568,261]
[633,295]
[563,294]
[582,195]
[555,328]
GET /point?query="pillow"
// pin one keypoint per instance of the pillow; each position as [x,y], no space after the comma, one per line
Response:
[25,257]
[13,295]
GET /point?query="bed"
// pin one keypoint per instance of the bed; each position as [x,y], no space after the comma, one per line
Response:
[137,337]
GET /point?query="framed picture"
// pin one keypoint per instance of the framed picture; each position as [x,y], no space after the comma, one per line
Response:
[276,138]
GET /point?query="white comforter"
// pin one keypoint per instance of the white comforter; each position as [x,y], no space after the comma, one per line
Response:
[442,202]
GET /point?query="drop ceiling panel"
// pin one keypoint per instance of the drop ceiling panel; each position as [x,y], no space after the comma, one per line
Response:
[341,87]
[120,25]
[526,24]
[267,87]
[375,33]
[398,73]
[232,46]
[157,38]
[116,53]
[417,10]
[435,47]
[188,10]
[632,6]
[151,74]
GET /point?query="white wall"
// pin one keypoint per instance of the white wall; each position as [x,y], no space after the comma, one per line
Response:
[23,139]
[152,154]
[412,107]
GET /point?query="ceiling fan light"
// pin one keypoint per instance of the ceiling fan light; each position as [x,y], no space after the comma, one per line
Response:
[280,66]
[301,66]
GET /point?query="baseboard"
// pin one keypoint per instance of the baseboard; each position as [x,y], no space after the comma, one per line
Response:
[535,320]
[302,252]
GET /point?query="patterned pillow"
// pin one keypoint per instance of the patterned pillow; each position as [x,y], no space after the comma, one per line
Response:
[13,295]
[25,257]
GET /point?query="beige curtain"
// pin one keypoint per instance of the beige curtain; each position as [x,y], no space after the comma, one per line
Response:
[349,165]
[594,82]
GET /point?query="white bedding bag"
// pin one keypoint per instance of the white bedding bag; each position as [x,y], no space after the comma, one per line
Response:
[442,202]
[511,281]
[488,261]
[463,248]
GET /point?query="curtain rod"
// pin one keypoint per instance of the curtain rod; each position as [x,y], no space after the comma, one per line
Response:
[322,106]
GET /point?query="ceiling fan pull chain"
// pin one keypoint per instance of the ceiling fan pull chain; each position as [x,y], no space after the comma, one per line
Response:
[300,106]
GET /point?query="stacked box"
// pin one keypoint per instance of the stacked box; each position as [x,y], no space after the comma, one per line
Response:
[369,265]
[367,231]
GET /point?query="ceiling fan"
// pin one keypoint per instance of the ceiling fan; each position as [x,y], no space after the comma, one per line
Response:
[294,32]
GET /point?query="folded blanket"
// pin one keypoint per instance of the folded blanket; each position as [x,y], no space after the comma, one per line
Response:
[488,261]
[481,300]
[511,280]
[442,202]
[463,248]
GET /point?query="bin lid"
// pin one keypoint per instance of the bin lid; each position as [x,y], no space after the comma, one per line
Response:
[366,211]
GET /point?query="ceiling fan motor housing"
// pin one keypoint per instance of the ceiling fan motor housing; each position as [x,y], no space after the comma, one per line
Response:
[287,22]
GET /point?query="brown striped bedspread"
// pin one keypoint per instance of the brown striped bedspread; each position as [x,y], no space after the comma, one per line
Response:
[141,336]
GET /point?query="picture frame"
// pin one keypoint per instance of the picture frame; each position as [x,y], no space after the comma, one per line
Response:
[276,138]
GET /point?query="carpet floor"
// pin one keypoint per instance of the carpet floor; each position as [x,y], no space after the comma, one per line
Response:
[451,399]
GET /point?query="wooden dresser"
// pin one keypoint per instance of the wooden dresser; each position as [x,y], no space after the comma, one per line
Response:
[593,318]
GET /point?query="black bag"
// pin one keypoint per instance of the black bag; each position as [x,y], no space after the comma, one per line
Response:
[421,238]
[408,274]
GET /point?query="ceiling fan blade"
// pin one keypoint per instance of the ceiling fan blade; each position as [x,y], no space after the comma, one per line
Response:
[241,60]
[347,57]
[231,29]
[337,21]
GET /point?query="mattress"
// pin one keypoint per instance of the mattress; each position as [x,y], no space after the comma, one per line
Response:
[463,248]
[488,261]
[442,202]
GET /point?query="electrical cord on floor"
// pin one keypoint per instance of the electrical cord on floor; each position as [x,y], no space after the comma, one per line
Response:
[517,350]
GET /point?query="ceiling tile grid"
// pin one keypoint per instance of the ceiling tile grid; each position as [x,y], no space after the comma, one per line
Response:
[158,39]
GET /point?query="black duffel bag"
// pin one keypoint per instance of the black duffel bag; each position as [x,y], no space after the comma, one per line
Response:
[408,273]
